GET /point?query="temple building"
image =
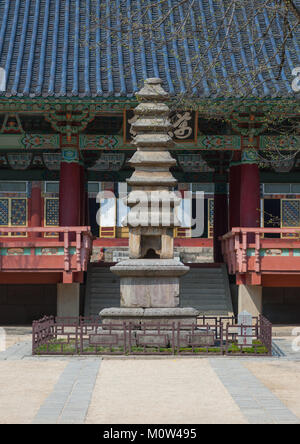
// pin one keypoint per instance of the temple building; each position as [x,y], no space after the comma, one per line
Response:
[67,94]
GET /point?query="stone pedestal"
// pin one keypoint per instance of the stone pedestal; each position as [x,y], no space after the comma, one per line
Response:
[149,318]
[150,291]
[150,283]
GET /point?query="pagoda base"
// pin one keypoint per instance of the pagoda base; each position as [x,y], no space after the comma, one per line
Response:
[148,318]
[149,283]
[164,327]
[199,337]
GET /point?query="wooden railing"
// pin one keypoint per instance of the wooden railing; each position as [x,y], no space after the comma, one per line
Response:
[248,250]
[70,252]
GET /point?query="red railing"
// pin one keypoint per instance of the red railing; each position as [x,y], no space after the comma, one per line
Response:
[248,250]
[70,252]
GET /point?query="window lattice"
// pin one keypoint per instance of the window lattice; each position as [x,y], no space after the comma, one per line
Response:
[18,212]
[4,212]
[290,213]
[13,213]
[52,213]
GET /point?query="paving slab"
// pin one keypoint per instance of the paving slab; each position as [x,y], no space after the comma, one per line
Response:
[24,386]
[70,399]
[256,401]
[282,378]
[173,391]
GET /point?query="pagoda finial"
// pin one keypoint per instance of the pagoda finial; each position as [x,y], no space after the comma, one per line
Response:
[152,126]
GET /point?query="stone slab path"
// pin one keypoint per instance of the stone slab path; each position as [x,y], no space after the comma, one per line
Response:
[258,404]
[71,396]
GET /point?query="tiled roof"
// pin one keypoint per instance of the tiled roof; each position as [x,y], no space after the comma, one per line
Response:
[53,48]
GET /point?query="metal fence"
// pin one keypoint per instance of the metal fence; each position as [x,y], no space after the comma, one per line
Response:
[211,335]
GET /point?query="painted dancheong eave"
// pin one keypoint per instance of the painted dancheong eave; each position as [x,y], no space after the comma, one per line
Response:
[87,142]
[62,254]
[250,255]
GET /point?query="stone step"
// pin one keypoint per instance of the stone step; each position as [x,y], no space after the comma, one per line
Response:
[206,289]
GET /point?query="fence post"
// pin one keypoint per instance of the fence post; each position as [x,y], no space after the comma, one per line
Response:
[227,339]
[221,338]
[173,338]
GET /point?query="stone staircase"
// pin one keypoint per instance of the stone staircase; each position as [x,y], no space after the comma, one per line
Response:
[206,289]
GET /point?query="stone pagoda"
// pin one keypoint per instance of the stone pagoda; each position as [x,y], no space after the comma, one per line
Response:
[150,278]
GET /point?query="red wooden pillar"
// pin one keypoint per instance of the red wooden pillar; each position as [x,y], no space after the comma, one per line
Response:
[250,191]
[36,207]
[234,195]
[220,218]
[69,189]
[87,208]
[82,195]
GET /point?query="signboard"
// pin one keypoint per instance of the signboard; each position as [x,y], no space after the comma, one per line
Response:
[184,126]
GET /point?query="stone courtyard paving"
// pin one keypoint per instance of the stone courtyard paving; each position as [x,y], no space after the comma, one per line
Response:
[15,335]
[150,390]
[162,391]
[24,387]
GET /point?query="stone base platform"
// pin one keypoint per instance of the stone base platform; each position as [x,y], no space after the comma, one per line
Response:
[199,337]
[149,318]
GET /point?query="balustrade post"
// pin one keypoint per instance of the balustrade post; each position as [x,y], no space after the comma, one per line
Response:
[66,250]
[257,252]
[244,252]
[78,250]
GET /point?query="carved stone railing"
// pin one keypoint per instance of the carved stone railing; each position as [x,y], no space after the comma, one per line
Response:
[69,253]
[248,250]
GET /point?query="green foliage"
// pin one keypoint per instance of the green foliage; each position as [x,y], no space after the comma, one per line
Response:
[60,346]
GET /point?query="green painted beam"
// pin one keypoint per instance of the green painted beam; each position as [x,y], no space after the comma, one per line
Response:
[49,142]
